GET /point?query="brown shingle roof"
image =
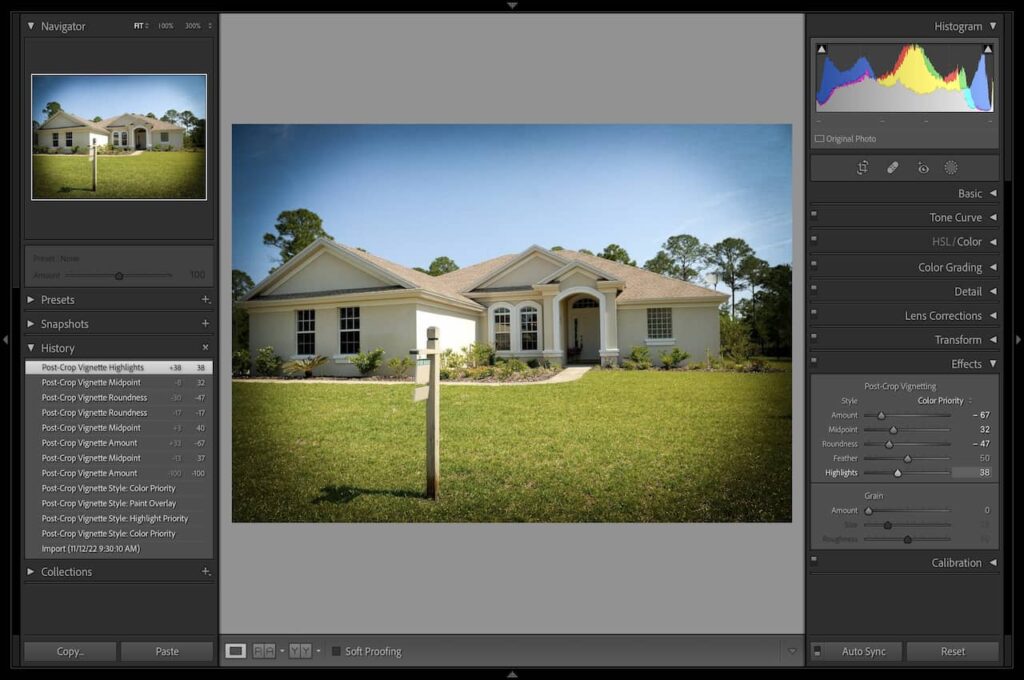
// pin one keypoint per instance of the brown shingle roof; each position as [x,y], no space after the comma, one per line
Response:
[434,284]
[644,285]
[155,122]
[640,283]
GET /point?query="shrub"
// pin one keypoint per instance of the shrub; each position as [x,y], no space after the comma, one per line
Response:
[639,359]
[479,354]
[267,363]
[510,367]
[516,365]
[736,342]
[368,362]
[670,360]
[534,363]
[452,360]
[304,366]
[399,367]
[479,372]
[240,362]
[756,366]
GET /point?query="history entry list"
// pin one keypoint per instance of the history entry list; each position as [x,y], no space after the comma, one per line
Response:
[118,458]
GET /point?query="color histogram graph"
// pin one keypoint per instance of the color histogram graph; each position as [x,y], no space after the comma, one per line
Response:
[910,77]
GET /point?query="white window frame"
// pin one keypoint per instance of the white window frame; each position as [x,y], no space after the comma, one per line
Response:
[515,344]
[358,329]
[299,331]
[663,336]
[165,137]
[69,139]
[536,308]
[493,331]
[55,140]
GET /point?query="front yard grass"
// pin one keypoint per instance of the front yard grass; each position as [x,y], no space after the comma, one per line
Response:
[612,447]
[152,174]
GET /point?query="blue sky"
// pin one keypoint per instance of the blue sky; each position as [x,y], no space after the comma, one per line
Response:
[106,96]
[412,192]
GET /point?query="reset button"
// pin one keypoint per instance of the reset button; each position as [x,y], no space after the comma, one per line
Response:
[953,652]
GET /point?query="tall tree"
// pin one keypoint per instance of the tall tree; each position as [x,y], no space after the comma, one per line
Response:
[774,300]
[241,283]
[616,253]
[725,257]
[753,270]
[688,253]
[585,251]
[556,248]
[197,135]
[150,115]
[296,229]
[96,119]
[51,109]
[663,264]
[442,265]
[187,120]
[171,116]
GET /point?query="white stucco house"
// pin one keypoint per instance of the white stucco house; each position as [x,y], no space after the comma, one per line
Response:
[564,306]
[64,131]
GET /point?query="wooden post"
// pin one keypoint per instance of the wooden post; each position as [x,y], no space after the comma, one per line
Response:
[434,415]
[93,154]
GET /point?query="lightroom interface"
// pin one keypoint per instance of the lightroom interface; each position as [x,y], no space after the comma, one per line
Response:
[511,339]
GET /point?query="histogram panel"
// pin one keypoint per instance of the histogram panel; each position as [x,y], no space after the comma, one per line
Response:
[910,77]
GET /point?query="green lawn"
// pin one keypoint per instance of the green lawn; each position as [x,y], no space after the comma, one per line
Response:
[153,174]
[612,447]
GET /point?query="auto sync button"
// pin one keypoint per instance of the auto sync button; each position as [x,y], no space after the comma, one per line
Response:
[858,652]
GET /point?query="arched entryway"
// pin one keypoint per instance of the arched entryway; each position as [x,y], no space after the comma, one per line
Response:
[580,318]
[582,329]
[140,138]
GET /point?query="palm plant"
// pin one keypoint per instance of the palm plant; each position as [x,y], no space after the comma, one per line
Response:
[304,366]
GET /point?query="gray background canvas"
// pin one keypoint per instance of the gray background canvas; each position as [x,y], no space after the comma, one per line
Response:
[512,578]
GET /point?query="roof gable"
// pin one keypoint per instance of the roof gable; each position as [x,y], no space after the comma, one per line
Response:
[574,267]
[531,265]
[379,270]
[63,119]
[364,272]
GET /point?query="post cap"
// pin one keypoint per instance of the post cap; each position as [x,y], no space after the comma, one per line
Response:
[433,333]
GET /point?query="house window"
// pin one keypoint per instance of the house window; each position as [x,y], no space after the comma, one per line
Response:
[502,329]
[69,139]
[305,327]
[348,330]
[56,139]
[659,323]
[117,139]
[529,325]
[585,303]
[165,136]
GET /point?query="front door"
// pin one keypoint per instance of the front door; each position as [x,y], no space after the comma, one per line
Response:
[140,138]
[584,330]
